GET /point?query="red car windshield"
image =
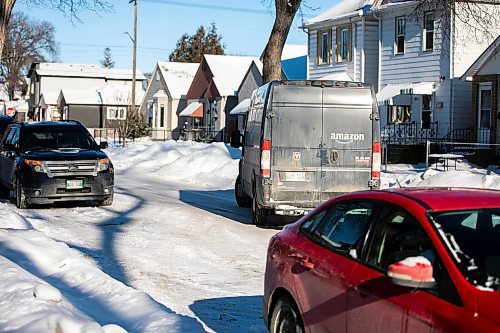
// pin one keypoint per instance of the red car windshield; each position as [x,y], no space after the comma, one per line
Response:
[473,238]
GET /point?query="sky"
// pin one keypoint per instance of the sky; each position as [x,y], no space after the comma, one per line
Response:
[245,26]
[154,261]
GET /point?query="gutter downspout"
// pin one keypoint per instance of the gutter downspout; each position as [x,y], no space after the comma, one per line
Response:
[379,62]
[363,29]
[452,72]
[354,29]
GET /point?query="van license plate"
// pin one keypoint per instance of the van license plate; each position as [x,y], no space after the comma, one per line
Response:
[74,184]
[295,177]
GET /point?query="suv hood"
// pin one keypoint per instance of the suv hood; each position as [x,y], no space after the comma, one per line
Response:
[64,155]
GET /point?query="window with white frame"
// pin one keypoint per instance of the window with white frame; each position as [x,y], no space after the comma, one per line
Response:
[428,33]
[324,47]
[117,113]
[400,35]
[343,38]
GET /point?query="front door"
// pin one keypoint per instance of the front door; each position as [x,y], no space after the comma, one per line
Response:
[484,114]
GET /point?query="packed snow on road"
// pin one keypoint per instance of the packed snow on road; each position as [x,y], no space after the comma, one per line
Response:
[174,253]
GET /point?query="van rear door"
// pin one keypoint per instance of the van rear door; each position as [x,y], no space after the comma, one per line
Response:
[296,130]
[347,139]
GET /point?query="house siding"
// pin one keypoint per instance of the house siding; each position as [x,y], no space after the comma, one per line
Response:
[154,86]
[371,53]
[252,81]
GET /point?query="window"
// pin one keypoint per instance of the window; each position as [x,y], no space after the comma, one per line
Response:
[343,226]
[428,33]
[117,113]
[398,236]
[343,39]
[162,116]
[324,47]
[400,35]
[399,114]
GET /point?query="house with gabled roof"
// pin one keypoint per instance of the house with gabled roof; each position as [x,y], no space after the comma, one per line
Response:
[485,76]
[52,77]
[215,86]
[166,97]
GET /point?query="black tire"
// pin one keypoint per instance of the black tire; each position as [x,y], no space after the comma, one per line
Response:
[286,317]
[108,201]
[259,214]
[242,199]
[21,200]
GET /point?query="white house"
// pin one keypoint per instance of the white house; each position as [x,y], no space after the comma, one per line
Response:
[47,78]
[166,97]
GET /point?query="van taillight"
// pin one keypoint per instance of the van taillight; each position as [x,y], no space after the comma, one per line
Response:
[376,160]
[265,158]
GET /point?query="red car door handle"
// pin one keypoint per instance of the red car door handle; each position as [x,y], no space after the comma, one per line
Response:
[306,263]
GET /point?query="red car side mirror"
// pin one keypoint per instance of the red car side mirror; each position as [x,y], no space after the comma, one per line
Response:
[413,272]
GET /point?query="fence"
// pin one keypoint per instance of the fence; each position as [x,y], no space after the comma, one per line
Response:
[449,153]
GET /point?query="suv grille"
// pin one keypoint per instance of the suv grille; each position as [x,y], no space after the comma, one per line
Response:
[71,168]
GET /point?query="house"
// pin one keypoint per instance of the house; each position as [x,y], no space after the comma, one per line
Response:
[49,109]
[413,60]
[215,87]
[52,77]
[343,43]
[166,97]
[485,76]
[97,108]
[293,67]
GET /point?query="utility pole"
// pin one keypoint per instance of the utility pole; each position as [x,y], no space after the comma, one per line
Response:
[134,65]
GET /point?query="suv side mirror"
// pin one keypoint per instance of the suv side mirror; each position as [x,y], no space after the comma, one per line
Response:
[103,145]
[413,272]
[236,139]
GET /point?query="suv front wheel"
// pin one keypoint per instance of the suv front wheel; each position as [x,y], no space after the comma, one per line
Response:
[20,195]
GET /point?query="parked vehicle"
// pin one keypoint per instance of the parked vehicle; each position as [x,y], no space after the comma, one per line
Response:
[305,142]
[4,122]
[407,260]
[54,161]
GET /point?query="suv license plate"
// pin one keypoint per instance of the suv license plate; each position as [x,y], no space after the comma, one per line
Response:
[295,177]
[74,184]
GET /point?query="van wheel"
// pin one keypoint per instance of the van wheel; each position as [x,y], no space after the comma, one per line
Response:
[242,199]
[21,200]
[286,317]
[259,215]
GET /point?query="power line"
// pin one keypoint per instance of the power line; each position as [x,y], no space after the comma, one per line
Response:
[207,6]
[116,46]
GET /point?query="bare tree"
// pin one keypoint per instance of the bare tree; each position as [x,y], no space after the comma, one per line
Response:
[478,19]
[71,8]
[285,13]
[26,41]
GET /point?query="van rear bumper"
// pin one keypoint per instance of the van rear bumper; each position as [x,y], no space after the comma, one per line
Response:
[289,210]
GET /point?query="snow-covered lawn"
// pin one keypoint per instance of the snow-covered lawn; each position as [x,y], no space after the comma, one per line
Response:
[174,253]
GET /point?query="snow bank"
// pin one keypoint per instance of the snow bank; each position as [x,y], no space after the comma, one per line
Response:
[213,165]
[48,287]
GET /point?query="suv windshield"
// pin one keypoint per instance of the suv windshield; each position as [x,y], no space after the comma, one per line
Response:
[472,236]
[63,137]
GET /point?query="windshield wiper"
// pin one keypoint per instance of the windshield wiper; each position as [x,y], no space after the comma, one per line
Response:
[37,149]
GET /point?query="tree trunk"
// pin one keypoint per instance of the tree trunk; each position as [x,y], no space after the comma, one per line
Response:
[5,12]
[285,12]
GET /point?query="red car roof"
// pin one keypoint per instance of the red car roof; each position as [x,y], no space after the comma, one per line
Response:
[441,198]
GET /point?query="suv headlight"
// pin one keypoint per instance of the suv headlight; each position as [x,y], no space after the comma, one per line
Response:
[103,164]
[35,165]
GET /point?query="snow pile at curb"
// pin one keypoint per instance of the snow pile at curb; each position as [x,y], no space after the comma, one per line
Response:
[213,165]
[48,287]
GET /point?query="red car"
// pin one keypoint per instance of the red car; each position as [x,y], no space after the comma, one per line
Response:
[407,260]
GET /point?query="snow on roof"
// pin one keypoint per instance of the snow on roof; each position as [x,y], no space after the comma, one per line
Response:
[228,71]
[344,9]
[107,95]
[80,96]
[119,95]
[82,70]
[293,51]
[19,105]
[49,97]
[241,108]
[178,76]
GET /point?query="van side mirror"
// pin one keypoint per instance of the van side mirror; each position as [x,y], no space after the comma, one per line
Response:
[236,139]
[103,145]
[413,272]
